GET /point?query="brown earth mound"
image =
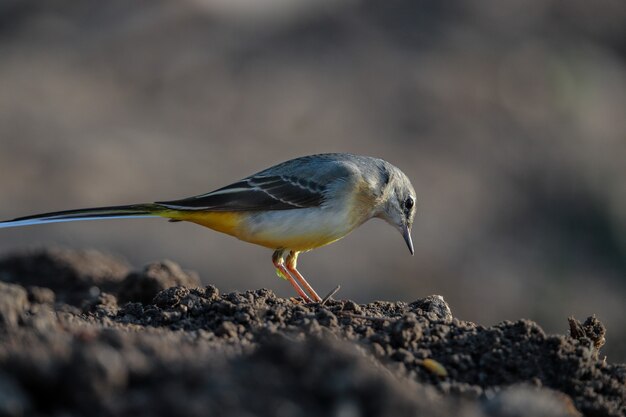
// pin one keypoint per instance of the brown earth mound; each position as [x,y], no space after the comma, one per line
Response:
[83,335]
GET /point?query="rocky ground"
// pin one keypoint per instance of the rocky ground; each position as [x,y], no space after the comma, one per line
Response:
[81,334]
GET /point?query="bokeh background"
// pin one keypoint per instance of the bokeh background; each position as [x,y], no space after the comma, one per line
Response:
[508,117]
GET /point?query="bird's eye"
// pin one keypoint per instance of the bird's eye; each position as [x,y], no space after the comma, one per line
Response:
[408,203]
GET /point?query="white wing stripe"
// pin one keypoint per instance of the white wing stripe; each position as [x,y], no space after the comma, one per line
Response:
[291,203]
[227,191]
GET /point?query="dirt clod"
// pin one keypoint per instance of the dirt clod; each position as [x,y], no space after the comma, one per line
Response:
[592,329]
[143,286]
[70,274]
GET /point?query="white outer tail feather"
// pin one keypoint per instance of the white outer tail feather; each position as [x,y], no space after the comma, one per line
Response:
[46,220]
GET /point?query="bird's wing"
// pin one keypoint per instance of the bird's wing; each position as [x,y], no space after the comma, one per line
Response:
[295,184]
[275,192]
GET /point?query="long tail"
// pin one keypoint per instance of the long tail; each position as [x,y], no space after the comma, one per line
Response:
[113,212]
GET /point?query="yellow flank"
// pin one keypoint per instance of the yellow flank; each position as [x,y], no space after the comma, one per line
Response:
[222,221]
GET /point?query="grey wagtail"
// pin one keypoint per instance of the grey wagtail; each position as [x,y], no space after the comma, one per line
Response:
[292,207]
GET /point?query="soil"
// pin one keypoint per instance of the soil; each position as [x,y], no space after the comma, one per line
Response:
[82,334]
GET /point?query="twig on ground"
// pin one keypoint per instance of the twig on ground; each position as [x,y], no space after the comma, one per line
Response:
[330,294]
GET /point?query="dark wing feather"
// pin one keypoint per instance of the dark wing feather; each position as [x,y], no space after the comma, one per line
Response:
[273,192]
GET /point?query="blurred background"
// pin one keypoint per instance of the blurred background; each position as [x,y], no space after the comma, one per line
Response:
[509,118]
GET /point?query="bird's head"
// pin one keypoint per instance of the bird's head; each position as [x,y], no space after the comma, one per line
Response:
[398,205]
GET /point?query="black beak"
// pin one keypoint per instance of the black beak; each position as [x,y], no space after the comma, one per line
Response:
[406,234]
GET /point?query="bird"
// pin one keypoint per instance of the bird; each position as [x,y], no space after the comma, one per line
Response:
[292,207]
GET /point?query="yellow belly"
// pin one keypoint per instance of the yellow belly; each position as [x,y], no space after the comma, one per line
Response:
[300,243]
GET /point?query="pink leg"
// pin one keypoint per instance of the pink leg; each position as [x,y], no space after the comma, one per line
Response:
[277,259]
[292,260]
